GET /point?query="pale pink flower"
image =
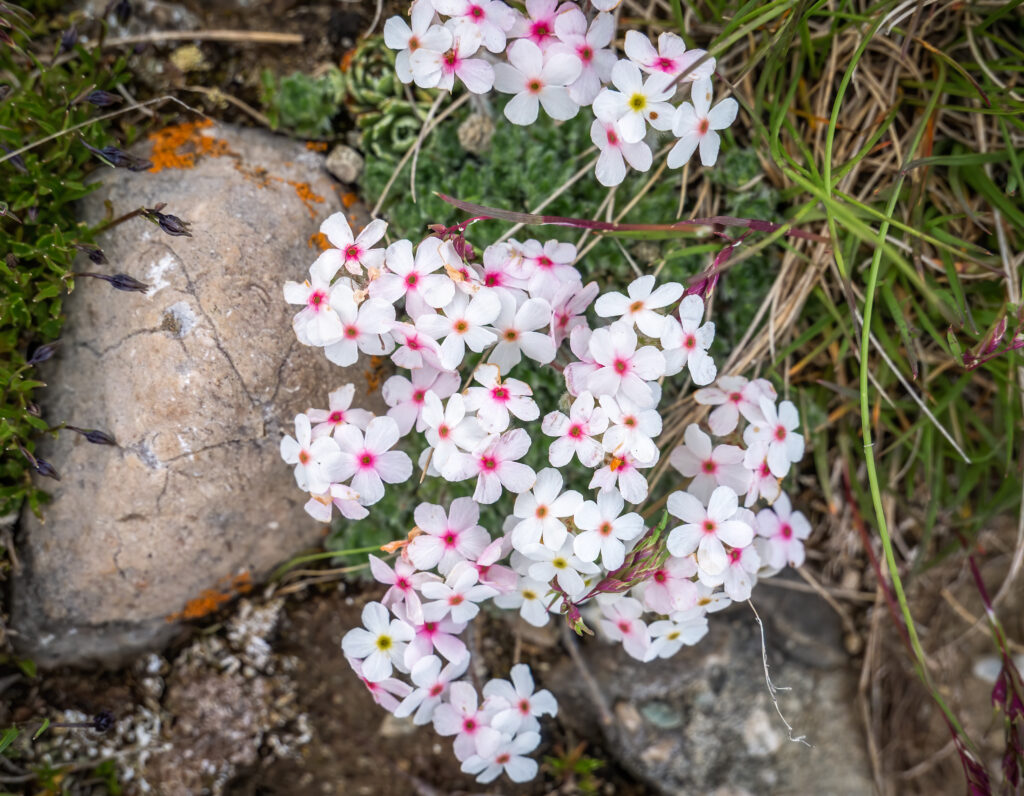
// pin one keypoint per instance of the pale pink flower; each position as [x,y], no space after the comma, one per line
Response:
[739,576]
[457,596]
[785,530]
[508,756]
[631,429]
[368,460]
[493,574]
[561,565]
[490,18]
[763,484]
[387,692]
[516,332]
[496,467]
[432,686]
[450,433]
[670,588]
[623,368]
[568,305]
[404,580]
[495,399]
[516,705]
[686,342]
[339,411]
[669,635]
[461,717]
[621,622]
[604,528]
[366,327]
[577,374]
[576,432]
[321,506]
[433,69]
[709,466]
[537,81]
[415,349]
[529,597]
[463,324]
[379,644]
[622,473]
[636,102]
[317,323]
[548,266]
[413,278]
[640,305]
[313,458]
[616,153]
[407,398]
[734,396]
[399,35]
[670,59]
[540,511]
[590,48]
[706,529]
[442,636]
[354,253]
[448,538]
[500,268]
[697,125]
[776,439]
[538,26]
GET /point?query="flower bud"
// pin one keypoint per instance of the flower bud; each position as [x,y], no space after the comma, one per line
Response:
[119,159]
[43,353]
[172,225]
[102,99]
[94,253]
[46,469]
[95,436]
[103,721]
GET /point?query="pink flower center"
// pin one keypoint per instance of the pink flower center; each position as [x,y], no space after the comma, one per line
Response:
[541,30]
[708,526]
[575,431]
[443,431]
[366,459]
[542,511]
[429,628]
[336,417]
[417,396]
[735,397]
[316,299]
[605,529]
[511,335]
[411,280]
[709,466]
[451,60]
[436,689]
[455,599]
[621,366]
[488,463]
[735,554]
[351,332]
[503,758]
[304,457]
[780,433]
[492,280]
[690,341]
[660,576]
[476,12]
[786,531]
[414,44]
[703,127]
[534,86]
[413,343]
[586,53]
[665,64]
[402,584]
[352,252]
[500,394]
[625,626]
[450,539]
[524,707]
[544,261]
[469,725]
[613,139]
[764,471]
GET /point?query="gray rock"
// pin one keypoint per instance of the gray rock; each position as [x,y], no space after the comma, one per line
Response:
[345,163]
[197,380]
[703,721]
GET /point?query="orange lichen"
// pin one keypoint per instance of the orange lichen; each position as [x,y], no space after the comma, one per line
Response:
[316,146]
[305,193]
[375,374]
[348,199]
[211,600]
[178,146]
[320,240]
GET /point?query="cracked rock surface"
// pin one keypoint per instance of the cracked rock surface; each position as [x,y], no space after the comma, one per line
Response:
[197,380]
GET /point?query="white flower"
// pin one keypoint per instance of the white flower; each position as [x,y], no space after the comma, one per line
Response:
[338,412]
[516,706]
[668,635]
[369,461]
[707,528]
[635,101]
[631,429]
[622,473]
[670,588]
[317,323]
[616,153]
[413,278]
[447,539]
[496,467]
[353,253]
[536,80]
[463,324]
[785,531]
[507,756]
[312,458]
[621,366]
[404,581]
[495,399]
[710,467]
[576,432]
[490,18]
[776,439]
[687,342]
[415,349]
[450,432]
[457,596]
[604,530]
[516,332]
[398,35]
[763,484]
[696,125]
[734,396]
[670,59]
[622,623]
[562,565]
[408,398]
[433,684]
[365,327]
[380,645]
[470,726]
[540,512]
[590,48]
[548,266]
[739,576]
[434,69]
[568,303]
[529,598]
[640,305]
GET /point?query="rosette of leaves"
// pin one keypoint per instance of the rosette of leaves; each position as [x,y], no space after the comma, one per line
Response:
[388,120]
[303,104]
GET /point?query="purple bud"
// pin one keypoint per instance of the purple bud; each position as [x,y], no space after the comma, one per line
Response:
[438,229]
[463,248]
[995,339]
[95,436]
[94,253]
[44,468]
[69,39]
[118,281]
[103,721]
[119,159]
[103,99]
[43,353]
[123,11]
[999,691]
[172,225]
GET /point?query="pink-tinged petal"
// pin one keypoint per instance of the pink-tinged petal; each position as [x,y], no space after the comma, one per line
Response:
[639,48]
[369,486]
[381,434]
[709,146]
[488,488]
[477,74]
[517,477]
[526,56]
[337,230]
[394,467]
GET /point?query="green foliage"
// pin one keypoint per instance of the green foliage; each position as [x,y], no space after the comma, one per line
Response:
[301,104]
[575,770]
[38,233]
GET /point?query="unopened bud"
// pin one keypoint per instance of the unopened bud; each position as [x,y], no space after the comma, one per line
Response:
[123,11]
[118,281]
[103,721]
[93,435]
[94,253]
[69,39]
[18,162]
[172,225]
[46,469]
[43,353]
[102,99]
[119,159]
[999,691]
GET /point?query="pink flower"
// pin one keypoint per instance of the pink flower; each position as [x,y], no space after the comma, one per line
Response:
[317,323]
[516,332]
[404,581]
[539,23]
[492,574]
[576,432]
[457,596]
[631,429]
[415,349]
[387,692]
[762,483]
[548,266]
[492,20]
[470,726]
[536,80]
[442,636]
[568,305]
[590,48]
[696,125]
[422,35]
[785,531]
[776,439]
[603,530]
[496,467]
[447,539]
[707,528]
[321,506]
[499,268]
[407,398]
[710,467]
[622,623]
[734,396]
[365,327]
[339,401]
[636,103]
[450,434]
[577,374]
[353,253]
[495,399]
[433,69]
[622,473]
[687,342]
[739,576]
[640,305]
[517,707]
[463,325]
[623,368]
[414,279]
[380,644]
[540,511]
[670,59]
[671,588]
[507,756]
[313,458]
[433,684]
[616,153]
[369,461]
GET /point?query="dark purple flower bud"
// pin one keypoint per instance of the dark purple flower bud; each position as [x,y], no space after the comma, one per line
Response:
[463,248]
[118,281]
[999,691]
[119,159]
[103,721]
[46,469]
[1015,710]
[103,99]
[69,39]
[94,253]
[438,229]
[33,214]
[172,225]
[43,353]
[995,339]
[95,436]
[123,11]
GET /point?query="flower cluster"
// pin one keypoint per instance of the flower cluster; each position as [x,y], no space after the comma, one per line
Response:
[553,57]
[436,310]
